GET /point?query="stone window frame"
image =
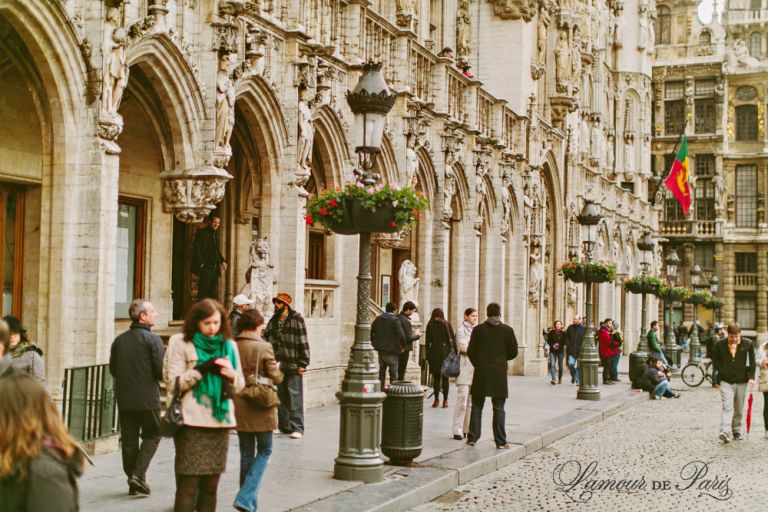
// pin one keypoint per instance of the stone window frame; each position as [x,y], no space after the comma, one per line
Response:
[755,45]
[663,25]
[746,122]
[746,195]
[745,306]
[704,191]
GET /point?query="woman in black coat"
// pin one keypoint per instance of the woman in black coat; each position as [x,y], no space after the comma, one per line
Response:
[439,341]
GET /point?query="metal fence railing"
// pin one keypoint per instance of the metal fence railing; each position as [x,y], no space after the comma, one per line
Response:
[89,408]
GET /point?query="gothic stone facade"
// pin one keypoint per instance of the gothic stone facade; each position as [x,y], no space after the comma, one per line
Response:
[125,123]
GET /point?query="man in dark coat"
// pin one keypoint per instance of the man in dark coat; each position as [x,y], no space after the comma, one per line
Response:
[136,363]
[207,258]
[573,337]
[408,309]
[491,345]
[388,338]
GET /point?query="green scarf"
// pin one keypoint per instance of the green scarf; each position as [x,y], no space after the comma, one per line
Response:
[22,347]
[208,391]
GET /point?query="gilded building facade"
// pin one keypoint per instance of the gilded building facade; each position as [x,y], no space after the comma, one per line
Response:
[709,75]
[126,122]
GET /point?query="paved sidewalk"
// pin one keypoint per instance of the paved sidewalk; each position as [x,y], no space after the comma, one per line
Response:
[300,472]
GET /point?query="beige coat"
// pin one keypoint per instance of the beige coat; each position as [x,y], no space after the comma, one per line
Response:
[762,382]
[180,361]
[466,370]
[256,354]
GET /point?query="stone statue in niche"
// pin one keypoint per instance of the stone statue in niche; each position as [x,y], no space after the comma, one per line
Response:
[576,60]
[563,58]
[449,189]
[506,206]
[535,275]
[463,30]
[409,283]
[225,104]
[570,292]
[541,40]
[306,132]
[719,182]
[261,276]
[411,165]
[629,158]
[643,35]
[114,64]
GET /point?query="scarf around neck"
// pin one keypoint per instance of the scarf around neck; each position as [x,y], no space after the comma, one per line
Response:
[493,320]
[22,347]
[209,390]
[468,325]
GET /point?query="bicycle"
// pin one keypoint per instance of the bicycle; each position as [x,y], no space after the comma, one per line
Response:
[693,374]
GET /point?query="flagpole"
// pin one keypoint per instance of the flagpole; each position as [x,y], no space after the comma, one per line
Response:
[674,152]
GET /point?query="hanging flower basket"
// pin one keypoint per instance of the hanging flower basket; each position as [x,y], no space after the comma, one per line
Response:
[715,303]
[672,293]
[581,271]
[643,284]
[702,297]
[360,209]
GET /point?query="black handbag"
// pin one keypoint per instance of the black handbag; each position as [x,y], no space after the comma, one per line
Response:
[173,419]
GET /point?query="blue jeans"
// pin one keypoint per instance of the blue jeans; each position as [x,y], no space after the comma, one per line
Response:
[476,419]
[615,368]
[660,355]
[252,469]
[662,389]
[573,367]
[290,412]
[556,359]
[388,359]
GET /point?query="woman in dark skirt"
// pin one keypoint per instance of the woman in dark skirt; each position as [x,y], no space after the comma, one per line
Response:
[438,343]
[204,363]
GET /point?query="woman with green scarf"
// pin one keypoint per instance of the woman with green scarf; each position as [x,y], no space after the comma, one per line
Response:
[204,365]
[26,356]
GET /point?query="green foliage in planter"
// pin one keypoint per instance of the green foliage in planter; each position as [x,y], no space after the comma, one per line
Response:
[715,303]
[701,297]
[640,284]
[598,271]
[672,293]
[328,207]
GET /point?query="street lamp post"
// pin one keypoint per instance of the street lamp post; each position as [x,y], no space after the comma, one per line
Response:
[589,218]
[714,281]
[645,245]
[670,343]
[361,395]
[695,345]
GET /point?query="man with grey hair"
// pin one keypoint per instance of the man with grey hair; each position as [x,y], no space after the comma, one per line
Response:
[136,363]
[6,367]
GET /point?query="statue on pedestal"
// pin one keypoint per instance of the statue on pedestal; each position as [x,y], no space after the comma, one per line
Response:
[261,276]
[409,285]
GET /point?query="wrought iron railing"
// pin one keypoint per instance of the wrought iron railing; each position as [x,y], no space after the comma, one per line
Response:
[89,409]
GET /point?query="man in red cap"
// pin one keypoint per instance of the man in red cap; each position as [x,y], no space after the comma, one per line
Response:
[287,333]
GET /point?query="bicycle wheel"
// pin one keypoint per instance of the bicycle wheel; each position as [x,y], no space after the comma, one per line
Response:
[692,375]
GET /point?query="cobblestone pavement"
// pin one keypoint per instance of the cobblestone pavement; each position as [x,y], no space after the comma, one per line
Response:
[667,444]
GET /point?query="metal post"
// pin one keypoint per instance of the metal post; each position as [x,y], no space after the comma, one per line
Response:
[360,396]
[693,357]
[670,342]
[589,360]
[642,347]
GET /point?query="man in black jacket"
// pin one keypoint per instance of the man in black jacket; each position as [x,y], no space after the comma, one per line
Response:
[388,338]
[491,345]
[734,358]
[136,363]
[408,309]
[573,335]
[207,259]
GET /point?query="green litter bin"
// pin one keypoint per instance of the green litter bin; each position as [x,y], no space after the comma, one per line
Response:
[402,422]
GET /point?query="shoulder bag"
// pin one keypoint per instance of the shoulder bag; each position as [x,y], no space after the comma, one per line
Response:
[260,391]
[452,363]
[173,419]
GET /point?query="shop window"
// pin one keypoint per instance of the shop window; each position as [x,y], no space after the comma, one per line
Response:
[130,250]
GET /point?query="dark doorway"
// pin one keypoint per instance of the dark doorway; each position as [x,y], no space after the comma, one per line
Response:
[183,283]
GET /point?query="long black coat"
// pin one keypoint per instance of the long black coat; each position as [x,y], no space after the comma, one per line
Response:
[136,363]
[206,251]
[490,347]
[438,343]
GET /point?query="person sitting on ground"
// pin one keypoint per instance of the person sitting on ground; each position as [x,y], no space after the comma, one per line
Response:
[655,382]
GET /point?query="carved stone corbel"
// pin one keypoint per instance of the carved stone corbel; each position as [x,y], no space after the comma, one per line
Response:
[191,196]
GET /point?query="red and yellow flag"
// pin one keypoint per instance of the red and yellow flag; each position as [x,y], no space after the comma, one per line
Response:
[677,181]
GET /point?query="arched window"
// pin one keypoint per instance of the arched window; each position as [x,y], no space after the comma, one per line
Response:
[664,26]
[754,45]
[705,38]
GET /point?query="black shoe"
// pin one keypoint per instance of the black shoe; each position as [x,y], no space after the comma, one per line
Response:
[458,437]
[608,383]
[737,436]
[139,484]
[471,443]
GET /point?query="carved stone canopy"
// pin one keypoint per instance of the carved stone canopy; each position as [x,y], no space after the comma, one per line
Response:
[191,196]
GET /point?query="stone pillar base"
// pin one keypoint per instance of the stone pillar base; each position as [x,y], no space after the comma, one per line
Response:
[535,366]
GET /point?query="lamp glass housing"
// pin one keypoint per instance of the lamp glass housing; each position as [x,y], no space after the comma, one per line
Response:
[713,282]
[369,131]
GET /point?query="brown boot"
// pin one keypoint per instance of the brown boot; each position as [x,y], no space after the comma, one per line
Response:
[436,403]
[445,404]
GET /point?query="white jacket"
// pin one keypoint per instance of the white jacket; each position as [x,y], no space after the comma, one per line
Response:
[462,343]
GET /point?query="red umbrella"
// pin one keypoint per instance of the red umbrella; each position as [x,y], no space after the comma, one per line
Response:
[749,411]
